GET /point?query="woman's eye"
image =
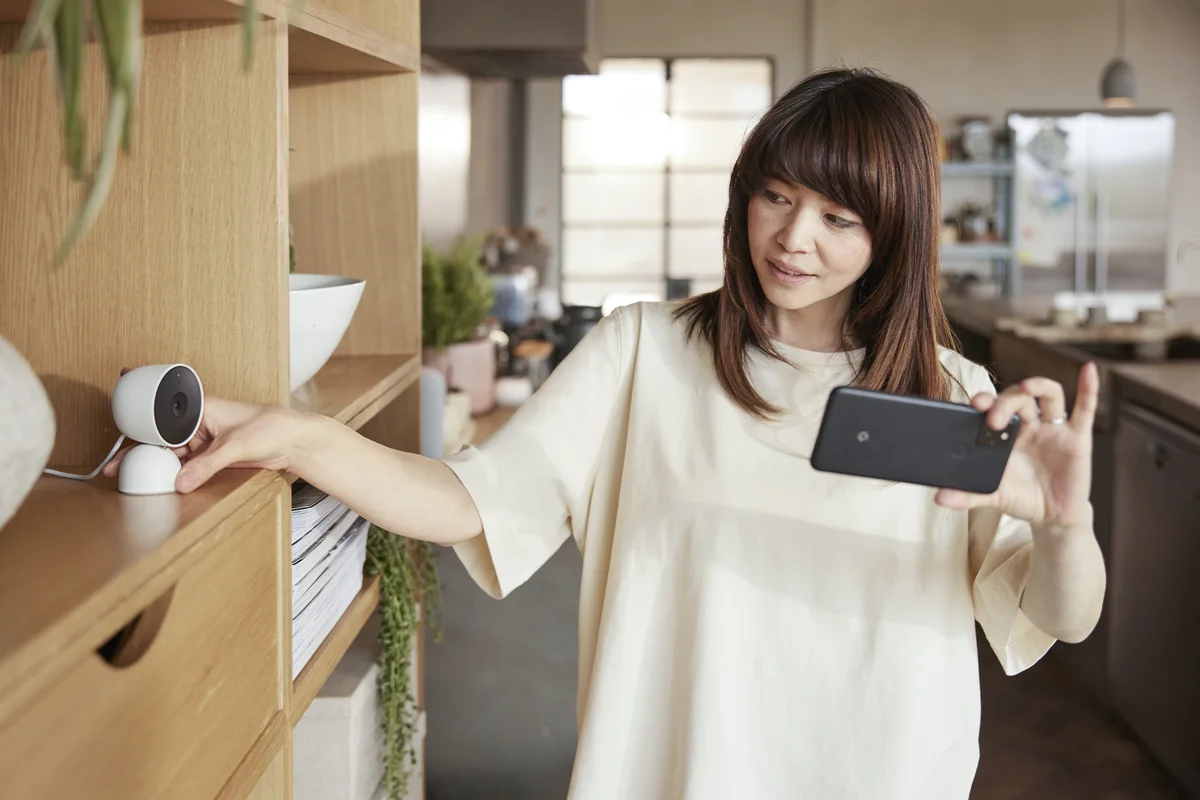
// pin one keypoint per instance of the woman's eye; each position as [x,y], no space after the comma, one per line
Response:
[839,222]
[773,197]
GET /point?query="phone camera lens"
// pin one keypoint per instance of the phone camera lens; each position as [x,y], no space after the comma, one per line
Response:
[863,436]
[179,405]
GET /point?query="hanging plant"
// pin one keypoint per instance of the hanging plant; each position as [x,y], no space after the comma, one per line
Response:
[408,576]
[64,28]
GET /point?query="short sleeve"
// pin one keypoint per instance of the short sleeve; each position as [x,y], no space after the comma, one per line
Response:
[1000,551]
[530,477]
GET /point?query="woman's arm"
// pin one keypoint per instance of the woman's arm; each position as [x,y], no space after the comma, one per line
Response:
[404,493]
[1064,594]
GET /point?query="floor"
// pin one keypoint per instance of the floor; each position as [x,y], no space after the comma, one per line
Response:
[500,690]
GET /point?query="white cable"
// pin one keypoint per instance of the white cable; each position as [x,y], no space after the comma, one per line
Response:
[96,471]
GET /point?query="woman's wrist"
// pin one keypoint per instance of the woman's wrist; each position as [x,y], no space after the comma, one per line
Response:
[311,437]
[1067,529]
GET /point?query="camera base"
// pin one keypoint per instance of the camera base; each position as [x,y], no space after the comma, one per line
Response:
[148,469]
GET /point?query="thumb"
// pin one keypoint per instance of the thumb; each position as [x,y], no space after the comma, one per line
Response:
[200,468]
[956,498]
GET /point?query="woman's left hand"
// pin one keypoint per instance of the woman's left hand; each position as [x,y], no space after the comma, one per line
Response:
[1049,474]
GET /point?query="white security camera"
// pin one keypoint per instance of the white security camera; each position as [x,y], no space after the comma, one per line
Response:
[159,406]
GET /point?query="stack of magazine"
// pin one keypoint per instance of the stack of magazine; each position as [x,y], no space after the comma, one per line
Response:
[329,549]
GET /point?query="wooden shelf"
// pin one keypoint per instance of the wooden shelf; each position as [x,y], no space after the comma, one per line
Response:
[310,680]
[353,389]
[320,40]
[75,551]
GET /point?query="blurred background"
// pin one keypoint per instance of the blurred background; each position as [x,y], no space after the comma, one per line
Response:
[586,146]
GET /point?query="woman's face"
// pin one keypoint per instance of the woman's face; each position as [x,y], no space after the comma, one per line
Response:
[806,249]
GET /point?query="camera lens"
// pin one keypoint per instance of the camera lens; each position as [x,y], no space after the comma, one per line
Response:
[179,404]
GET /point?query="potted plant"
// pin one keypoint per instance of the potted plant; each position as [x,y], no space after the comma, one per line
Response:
[456,299]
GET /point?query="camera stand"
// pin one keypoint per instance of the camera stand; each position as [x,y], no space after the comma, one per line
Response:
[148,469]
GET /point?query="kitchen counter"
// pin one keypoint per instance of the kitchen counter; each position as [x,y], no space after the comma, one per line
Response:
[1170,388]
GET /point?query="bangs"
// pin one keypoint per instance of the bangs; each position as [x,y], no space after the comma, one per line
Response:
[824,147]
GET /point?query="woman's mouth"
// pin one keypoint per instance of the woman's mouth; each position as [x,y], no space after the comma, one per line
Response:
[789,276]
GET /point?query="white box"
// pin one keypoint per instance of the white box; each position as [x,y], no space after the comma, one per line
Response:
[339,740]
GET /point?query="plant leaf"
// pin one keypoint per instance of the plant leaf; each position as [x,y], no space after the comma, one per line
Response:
[67,47]
[249,24]
[121,44]
[106,165]
[39,25]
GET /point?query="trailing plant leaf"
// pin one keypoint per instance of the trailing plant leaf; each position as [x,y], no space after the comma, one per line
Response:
[67,50]
[39,26]
[408,575]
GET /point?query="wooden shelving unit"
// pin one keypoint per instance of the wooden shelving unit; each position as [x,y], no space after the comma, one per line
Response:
[188,262]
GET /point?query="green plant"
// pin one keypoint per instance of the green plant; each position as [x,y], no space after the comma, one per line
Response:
[456,294]
[408,575]
[64,27]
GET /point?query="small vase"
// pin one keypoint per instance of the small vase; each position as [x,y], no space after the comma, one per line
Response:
[26,430]
[472,369]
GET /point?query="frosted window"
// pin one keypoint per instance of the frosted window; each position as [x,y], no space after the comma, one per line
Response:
[696,253]
[613,197]
[707,143]
[699,198]
[720,85]
[625,140]
[613,252]
[608,294]
[622,86]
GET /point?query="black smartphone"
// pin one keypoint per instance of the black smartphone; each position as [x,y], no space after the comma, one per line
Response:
[907,439]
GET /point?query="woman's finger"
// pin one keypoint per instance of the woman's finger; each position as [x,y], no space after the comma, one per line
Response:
[202,466]
[1086,398]
[958,499]
[1013,400]
[983,401]
[1051,401]
[111,468]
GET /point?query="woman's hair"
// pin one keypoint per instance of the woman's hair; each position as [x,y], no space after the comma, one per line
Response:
[870,145]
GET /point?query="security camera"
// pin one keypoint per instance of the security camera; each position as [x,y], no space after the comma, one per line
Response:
[159,406]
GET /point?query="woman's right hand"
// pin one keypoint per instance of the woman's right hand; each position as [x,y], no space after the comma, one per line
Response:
[233,434]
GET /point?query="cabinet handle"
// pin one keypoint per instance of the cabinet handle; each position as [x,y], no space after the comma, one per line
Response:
[127,646]
[1158,454]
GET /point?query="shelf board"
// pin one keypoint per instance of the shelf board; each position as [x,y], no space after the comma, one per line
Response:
[981,251]
[353,389]
[320,40]
[76,551]
[976,169]
[310,680]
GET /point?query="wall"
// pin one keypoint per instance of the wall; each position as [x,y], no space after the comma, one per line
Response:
[444,147]
[490,196]
[984,58]
[773,28]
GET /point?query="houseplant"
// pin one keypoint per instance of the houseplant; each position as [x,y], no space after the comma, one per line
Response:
[456,299]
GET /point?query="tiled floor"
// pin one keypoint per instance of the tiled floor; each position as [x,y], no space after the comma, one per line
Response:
[1043,738]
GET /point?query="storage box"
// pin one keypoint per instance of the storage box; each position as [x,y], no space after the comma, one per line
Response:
[338,743]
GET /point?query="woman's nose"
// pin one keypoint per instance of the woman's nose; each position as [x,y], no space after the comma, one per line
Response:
[798,232]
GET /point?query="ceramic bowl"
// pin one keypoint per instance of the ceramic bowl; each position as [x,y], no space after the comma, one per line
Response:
[321,307]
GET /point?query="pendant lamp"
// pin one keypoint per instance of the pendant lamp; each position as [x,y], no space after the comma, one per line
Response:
[1117,84]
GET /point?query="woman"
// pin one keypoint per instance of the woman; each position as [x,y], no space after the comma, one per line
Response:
[751,628]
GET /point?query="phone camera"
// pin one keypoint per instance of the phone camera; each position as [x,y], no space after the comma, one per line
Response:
[863,436]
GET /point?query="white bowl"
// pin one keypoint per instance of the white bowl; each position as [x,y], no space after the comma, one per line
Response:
[320,307]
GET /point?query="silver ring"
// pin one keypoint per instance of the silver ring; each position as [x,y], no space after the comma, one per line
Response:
[1057,420]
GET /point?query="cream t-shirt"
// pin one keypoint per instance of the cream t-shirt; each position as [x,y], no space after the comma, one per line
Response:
[749,627]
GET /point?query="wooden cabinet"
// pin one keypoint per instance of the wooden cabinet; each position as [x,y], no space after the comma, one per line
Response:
[1155,647]
[188,262]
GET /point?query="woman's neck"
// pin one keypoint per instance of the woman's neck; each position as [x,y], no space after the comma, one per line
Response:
[817,327]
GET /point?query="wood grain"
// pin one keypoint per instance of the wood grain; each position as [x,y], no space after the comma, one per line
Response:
[329,654]
[325,41]
[180,266]
[178,721]
[398,425]
[78,561]
[261,775]
[398,21]
[276,782]
[354,200]
[353,389]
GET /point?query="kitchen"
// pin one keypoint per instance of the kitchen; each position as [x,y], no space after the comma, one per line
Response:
[1126,692]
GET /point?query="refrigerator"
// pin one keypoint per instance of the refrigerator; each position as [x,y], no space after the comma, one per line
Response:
[1091,202]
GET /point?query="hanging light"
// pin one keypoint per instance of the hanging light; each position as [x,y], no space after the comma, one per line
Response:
[1117,84]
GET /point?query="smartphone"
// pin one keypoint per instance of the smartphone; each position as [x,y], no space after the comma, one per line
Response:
[915,440]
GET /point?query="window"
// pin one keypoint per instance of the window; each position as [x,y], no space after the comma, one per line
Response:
[647,149]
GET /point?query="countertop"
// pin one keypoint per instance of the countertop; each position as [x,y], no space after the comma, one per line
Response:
[1170,388]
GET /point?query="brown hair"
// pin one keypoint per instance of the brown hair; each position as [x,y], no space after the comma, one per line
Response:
[870,145]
